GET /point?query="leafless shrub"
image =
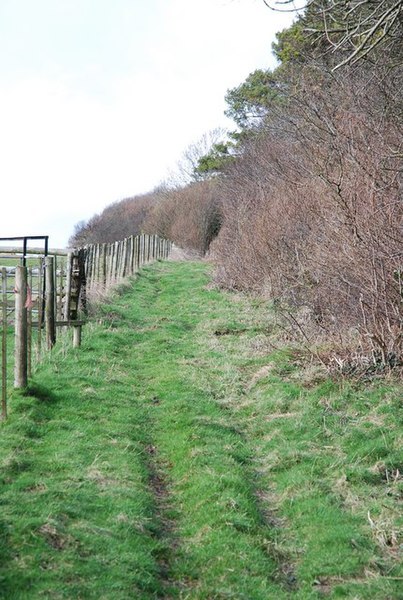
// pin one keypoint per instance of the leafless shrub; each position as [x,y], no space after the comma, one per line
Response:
[189,216]
[313,213]
[118,220]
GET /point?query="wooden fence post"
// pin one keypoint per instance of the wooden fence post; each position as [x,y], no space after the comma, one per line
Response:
[87,258]
[148,247]
[140,250]
[81,283]
[130,256]
[76,285]
[50,303]
[4,344]
[137,253]
[59,302]
[142,246]
[95,264]
[76,336]
[154,246]
[21,350]
[111,253]
[40,307]
[55,283]
[115,262]
[123,258]
[67,297]
[108,264]
[29,324]
[101,264]
[88,263]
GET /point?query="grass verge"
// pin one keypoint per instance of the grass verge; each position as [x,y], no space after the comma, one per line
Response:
[179,455]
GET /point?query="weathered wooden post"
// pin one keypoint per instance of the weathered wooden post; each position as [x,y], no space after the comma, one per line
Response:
[40,307]
[140,251]
[28,306]
[50,321]
[133,257]
[76,336]
[67,297]
[87,258]
[75,285]
[88,263]
[142,245]
[103,263]
[59,303]
[99,264]
[147,238]
[126,270]
[115,262]
[129,256]
[137,253]
[154,246]
[111,253]
[123,257]
[55,282]
[4,344]
[110,263]
[143,248]
[95,265]
[21,345]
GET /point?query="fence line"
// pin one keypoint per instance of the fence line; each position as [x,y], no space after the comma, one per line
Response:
[4,344]
[52,296]
[107,264]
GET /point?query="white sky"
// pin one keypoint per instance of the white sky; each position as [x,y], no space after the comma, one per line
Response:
[99,98]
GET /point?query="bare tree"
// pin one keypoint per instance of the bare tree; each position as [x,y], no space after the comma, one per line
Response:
[185,172]
[189,216]
[312,214]
[353,26]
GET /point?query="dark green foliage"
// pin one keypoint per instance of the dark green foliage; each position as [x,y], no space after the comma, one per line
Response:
[214,162]
[251,101]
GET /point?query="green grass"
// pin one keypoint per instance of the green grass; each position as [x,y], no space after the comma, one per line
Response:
[177,454]
[36,348]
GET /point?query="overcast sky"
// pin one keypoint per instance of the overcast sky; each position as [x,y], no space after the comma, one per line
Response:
[99,98]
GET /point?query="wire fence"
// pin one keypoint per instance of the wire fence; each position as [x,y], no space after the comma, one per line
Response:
[42,294]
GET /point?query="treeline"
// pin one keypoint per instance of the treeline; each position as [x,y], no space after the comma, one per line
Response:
[312,202]
[190,216]
[306,195]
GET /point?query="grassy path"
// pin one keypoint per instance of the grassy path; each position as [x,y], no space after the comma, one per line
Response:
[178,456]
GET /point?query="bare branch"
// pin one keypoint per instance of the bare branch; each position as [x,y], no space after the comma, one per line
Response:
[362,25]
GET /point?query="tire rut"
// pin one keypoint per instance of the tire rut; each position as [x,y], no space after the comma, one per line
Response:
[285,573]
[166,530]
